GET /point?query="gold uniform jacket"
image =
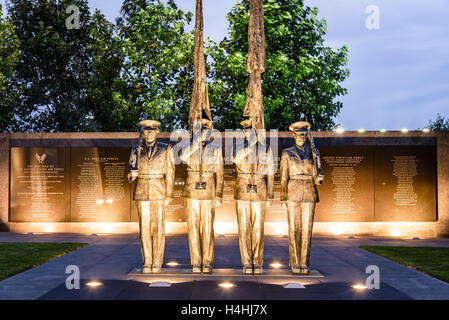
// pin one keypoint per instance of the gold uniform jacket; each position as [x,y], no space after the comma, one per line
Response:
[257,169]
[156,172]
[296,171]
[212,171]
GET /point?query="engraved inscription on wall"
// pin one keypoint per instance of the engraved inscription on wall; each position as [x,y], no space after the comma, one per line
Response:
[405,169]
[92,190]
[39,185]
[343,174]
[100,190]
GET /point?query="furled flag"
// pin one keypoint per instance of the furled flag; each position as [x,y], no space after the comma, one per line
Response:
[255,66]
[199,106]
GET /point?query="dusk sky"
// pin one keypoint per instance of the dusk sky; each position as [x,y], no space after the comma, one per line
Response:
[399,72]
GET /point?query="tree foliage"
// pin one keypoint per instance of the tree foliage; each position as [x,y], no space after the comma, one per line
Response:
[107,76]
[9,59]
[157,74]
[439,124]
[302,79]
[53,63]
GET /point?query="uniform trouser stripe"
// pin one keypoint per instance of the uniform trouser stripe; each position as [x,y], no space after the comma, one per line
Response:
[152,231]
[300,224]
[251,219]
[200,222]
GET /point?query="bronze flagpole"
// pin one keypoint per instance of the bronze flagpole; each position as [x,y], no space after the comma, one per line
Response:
[199,105]
[255,66]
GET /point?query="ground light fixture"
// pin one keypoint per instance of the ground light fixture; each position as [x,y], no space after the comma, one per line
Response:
[172,264]
[276,265]
[93,284]
[339,130]
[361,130]
[226,285]
[383,130]
[293,285]
[404,130]
[359,286]
[426,130]
[160,284]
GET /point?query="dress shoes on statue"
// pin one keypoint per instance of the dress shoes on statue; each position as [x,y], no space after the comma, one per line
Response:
[196,269]
[247,270]
[207,269]
[304,270]
[146,269]
[258,270]
[156,269]
[296,270]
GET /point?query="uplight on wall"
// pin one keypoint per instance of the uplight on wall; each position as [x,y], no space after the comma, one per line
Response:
[395,233]
[337,231]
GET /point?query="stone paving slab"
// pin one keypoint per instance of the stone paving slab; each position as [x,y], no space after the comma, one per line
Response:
[110,258]
[225,272]
[210,290]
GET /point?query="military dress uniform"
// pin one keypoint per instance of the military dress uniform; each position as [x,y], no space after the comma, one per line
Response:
[155,168]
[253,187]
[203,187]
[299,174]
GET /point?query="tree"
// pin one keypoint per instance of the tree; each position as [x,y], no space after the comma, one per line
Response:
[439,124]
[54,61]
[158,71]
[103,81]
[302,79]
[9,58]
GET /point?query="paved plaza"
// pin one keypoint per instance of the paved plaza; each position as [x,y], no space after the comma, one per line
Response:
[337,263]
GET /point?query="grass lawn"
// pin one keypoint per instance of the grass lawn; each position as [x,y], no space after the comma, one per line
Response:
[16,257]
[433,261]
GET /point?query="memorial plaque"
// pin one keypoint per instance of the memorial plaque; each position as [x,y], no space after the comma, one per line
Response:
[100,189]
[40,185]
[405,184]
[347,192]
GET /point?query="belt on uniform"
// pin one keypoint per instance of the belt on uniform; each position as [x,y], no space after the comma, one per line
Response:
[150,176]
[301,177]
[243,175]
[203,173]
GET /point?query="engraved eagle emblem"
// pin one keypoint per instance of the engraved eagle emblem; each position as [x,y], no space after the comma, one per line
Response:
[41,158]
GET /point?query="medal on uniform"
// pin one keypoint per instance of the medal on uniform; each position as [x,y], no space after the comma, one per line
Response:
[252,188]
[200,185]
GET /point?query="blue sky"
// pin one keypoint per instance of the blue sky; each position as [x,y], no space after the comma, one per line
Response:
[399,72]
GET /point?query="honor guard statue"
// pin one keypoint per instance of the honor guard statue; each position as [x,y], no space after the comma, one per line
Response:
[253,192]
[203,192]
[300,172]
[152,164]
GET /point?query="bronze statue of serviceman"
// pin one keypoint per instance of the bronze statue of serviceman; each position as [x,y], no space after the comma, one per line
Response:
[152,164]
[300,172]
